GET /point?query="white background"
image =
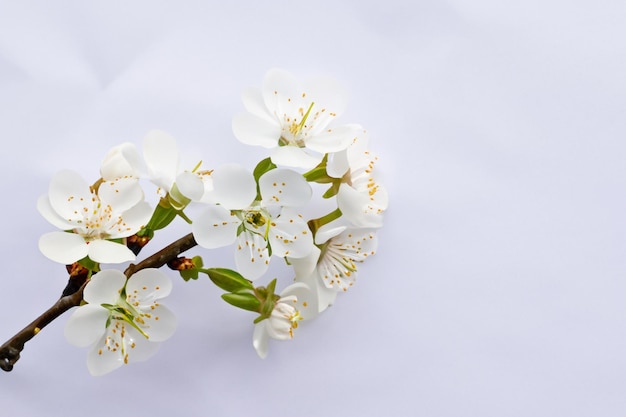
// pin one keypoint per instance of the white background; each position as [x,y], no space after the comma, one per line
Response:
[499,284]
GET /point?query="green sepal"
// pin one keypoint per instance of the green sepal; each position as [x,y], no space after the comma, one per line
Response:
[315,224]
[228,280]
[319,174]
[261,168]
[333,189]
[91,265]
[187,274]
[245,301]
[162,216]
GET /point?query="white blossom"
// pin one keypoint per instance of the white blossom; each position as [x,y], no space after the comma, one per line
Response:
[295,119]
[94,219]
[123,320]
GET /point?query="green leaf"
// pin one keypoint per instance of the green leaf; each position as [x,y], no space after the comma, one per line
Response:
[244,301]
[228,280]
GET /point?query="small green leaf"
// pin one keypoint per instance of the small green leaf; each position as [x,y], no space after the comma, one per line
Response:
[244,301]
[228,280]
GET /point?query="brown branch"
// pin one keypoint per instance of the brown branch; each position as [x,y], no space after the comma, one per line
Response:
[11,349]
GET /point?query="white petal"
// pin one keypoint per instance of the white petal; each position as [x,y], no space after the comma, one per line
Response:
[65,248]
[161,155]
[159,323]
[190,185]
[284,187]
[48,213]
[132,347]
[333,140]
[355,206]
[257,131]
[86,325]
[325,296]
[337,164]
[329,230]
[121,193]
[105,287]
[109,252]
[69,194]
[121,161]
[251,256]
[306,299]
[215,227]
[148,285]
[304,267]
[290,235]
[279,86]
[233,186]
[133,220]
[292,156]
[260,339]
[254,104]
[328,93]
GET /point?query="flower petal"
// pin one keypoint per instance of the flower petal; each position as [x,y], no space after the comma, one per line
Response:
[121,161]
[253,102]
[159,323]
[337,164]
[121,193]
[62,247]
[284,187]
[233,186]
[306,299]
[105,251]
[105,287]
[162,158]
[292,156]
[251,256]
[260,339]
[148,285]
[356,207]
[190,185]
[215,227]
[86,325]
[254,130]
[48,213]
[290,235]
[134,219]
[69,195]
[333,140]
[113,350]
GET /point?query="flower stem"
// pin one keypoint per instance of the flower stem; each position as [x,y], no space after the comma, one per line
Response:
[11,349]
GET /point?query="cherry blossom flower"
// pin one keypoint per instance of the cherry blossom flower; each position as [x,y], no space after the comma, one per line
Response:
[161,165]
[294,118]
[296,302]
[333,268]
[256,226]
[362,199]
[117,210]
[123,320]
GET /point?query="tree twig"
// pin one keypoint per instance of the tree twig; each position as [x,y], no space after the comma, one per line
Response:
[11,349]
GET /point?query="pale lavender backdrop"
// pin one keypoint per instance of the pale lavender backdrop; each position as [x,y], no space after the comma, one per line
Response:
[499,285]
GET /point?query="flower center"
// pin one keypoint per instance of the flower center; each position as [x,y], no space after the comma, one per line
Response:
[295,128]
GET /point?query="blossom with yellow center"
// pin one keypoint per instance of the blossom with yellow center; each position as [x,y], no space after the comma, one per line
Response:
[94,218]
[296,119]
[123,320]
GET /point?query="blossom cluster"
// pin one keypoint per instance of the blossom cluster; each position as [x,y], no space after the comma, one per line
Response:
[263,213]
